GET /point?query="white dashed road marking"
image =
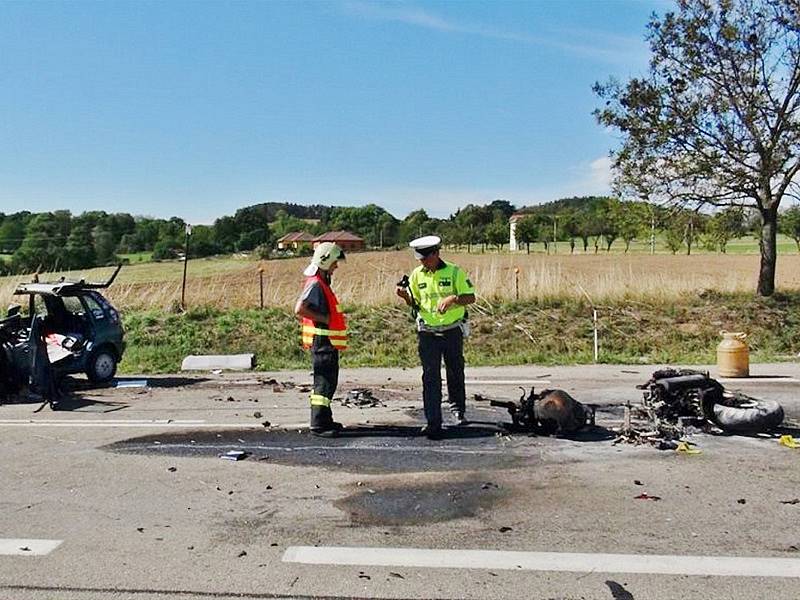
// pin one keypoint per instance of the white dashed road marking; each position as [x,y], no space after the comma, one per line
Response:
[724,566]
[23,547]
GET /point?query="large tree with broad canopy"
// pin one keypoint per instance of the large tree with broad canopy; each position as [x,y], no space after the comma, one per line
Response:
[716,120]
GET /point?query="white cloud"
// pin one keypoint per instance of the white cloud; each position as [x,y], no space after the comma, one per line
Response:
[600,174]
[597,45]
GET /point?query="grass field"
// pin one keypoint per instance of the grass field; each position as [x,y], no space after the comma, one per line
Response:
[137,257]
[369,278]
[662,308]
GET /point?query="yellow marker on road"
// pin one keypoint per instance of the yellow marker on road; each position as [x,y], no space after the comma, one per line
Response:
[685,448]
[789,441]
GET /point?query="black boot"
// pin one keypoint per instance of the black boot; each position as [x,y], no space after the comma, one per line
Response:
[335,425]
[322,423]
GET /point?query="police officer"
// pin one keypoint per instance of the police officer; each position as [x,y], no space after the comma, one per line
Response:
[324,332]
[439,291]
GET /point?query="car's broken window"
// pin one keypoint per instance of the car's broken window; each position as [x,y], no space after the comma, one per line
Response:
[73,305]
[39,307]
[94,308]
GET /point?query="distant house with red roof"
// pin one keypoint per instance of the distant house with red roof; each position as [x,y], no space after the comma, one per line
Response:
[293,241]
[347,241]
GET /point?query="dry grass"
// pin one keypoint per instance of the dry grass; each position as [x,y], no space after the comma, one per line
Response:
[369,278]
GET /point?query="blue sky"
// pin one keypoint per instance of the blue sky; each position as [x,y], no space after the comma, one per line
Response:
[195,109]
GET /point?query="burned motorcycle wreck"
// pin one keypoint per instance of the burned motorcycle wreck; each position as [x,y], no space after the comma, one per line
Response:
[550,412]
[675,399]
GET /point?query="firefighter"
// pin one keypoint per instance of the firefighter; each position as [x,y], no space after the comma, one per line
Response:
[438,292]
[324,331]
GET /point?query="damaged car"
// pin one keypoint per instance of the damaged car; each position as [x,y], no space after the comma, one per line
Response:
[69,327]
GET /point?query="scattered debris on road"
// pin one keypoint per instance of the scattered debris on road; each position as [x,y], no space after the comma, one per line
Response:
[686,448]
[361,398]
[789,441]
[234,455]
[677,402]
[646,496]
[550,412]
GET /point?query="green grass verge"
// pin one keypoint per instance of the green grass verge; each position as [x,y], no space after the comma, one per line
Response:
[684,331]
[137,257]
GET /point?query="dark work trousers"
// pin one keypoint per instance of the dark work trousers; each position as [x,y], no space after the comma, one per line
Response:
[432,348]
[326,377]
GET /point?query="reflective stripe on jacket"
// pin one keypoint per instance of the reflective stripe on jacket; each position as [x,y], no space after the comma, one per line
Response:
[336,330]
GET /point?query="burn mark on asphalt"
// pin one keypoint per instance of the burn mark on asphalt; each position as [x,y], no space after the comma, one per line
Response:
[379,449]
[421,503]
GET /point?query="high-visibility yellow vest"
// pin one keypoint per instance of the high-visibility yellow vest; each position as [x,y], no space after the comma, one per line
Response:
[429,287]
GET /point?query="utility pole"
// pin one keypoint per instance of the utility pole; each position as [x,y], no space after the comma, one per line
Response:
[185,263]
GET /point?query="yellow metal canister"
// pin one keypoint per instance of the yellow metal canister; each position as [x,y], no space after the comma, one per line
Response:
[733,356]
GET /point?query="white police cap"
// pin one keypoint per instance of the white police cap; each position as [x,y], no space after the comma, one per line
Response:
[423,246]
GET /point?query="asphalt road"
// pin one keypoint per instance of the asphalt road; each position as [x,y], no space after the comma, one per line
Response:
[125,495]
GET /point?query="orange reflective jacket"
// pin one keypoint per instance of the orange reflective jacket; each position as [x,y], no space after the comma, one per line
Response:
[337,325]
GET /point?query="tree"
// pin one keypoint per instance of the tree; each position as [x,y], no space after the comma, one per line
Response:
[790,224]
[630,218]
[674,235]
[226,233]
[717,119]
[470,220]
[203,242]
[104,245]
[568,227]
[42,248]
[497,233]
[417,223]
[12,232]
[724,226]
[388,230]
[285,223]
[80,248]
[527,231]
[362,220]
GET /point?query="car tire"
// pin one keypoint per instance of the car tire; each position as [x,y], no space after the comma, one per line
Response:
[102,366]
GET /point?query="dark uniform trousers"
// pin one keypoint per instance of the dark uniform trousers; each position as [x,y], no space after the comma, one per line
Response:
[432,348]
[325,361]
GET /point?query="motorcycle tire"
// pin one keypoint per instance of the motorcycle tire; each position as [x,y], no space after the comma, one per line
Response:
[742,414]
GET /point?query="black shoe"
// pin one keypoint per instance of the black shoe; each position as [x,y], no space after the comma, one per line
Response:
[324,433]
[432,433]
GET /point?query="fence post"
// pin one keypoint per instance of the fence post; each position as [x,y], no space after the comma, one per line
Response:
[596,345]
[185,263]
[261,286]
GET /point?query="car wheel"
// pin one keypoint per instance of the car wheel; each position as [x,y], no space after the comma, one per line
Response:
[102,366]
